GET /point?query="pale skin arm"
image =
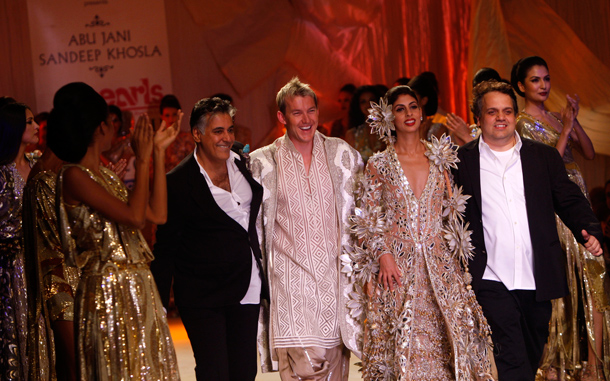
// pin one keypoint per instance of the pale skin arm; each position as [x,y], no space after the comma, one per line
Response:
[156,212]
[79,188]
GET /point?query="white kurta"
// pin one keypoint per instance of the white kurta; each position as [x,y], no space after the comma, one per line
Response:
[305,241]
[344,164]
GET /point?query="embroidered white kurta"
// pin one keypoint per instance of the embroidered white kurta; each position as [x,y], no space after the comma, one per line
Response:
[343,164]
[305,241]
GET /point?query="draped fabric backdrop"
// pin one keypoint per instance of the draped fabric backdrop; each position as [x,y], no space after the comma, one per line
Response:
[573,37]
[250,48]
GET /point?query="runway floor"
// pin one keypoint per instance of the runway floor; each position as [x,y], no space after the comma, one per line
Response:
[186,361]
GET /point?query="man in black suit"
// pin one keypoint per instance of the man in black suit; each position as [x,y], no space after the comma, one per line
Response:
[517,186]
[210,235]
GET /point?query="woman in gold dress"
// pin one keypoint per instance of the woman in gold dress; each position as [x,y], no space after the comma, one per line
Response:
[121,327]
[420,318]
[531,80]
[51,283]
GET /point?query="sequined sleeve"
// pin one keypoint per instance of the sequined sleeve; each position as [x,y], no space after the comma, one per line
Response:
[373,208]
[59,280]
[10,206]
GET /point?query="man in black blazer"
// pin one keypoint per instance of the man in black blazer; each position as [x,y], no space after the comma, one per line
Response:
[517,186]
[210,239]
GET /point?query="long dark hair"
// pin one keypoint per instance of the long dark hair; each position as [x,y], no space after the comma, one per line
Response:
[355,115]
[520,69]
[426,86]
[12,126]
[392,95]
[77,112]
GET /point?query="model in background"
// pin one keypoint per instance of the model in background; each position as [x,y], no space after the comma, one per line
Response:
[531,79]
[359,134]
[117,306]
[17,130]
[183,145]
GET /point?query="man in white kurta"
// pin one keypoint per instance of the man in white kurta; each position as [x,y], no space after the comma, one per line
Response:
[308,182]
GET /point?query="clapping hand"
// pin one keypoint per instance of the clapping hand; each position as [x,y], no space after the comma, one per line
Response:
[165,135]
[142,141]
[574,102]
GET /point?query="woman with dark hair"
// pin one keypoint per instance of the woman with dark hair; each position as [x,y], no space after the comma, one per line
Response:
[358,135]
[426,88]
[420,317]
[531,79]
[121,328]
[17,130]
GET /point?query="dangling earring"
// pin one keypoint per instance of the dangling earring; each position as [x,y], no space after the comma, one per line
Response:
[421,118]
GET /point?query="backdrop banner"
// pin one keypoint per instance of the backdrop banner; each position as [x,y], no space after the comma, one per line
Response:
[119,47]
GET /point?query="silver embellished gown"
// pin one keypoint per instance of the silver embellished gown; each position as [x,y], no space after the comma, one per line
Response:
[13,307]
[122,330]
[432,328]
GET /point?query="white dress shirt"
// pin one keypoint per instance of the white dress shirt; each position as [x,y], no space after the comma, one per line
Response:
[504,215]
[236,204]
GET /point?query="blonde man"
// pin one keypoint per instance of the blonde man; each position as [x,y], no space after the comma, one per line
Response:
[308,182]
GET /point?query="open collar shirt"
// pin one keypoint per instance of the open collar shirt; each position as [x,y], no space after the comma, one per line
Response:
[236,204]
[504,215]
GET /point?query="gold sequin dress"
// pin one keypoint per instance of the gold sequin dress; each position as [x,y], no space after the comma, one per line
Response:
[122,330]
[52,283]
[432,328]
[585,274]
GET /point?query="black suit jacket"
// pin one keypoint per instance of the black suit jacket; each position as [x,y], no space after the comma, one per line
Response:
[207,252]
[548,190]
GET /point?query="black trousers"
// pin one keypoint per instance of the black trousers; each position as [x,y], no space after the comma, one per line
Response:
[520,329]
[223,341]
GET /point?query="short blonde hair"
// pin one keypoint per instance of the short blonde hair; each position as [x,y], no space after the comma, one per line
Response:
[294,88]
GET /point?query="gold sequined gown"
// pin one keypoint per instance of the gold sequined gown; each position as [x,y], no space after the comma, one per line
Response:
[122,330]
[585,274]
[51,283]
[13,306]
[363,143]
[432,328]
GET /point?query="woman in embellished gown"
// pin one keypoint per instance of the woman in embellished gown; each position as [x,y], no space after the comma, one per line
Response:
[420,317]
[17,130]
[530,79]
[121,327]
